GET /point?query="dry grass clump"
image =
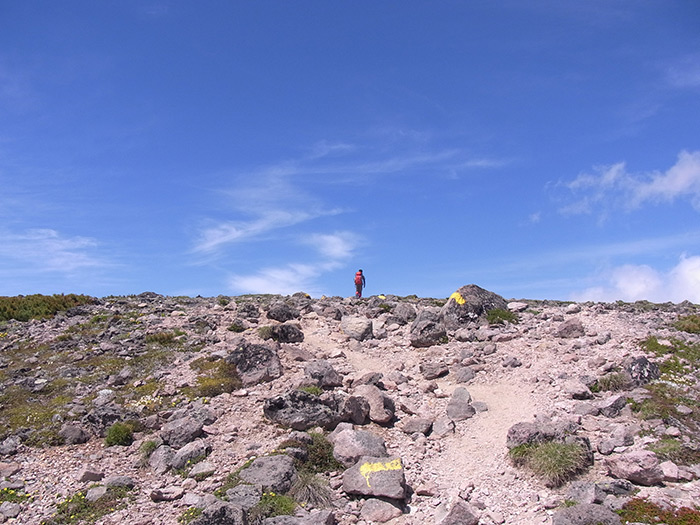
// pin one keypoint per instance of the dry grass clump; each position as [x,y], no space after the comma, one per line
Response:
[553,461]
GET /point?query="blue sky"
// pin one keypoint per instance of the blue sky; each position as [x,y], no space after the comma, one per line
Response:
[544,150]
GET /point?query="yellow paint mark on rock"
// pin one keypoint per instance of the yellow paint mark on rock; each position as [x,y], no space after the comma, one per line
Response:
[457,297]
[368,468]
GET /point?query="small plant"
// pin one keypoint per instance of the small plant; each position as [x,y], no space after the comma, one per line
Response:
[222,300]
[216,377]
[673,450]
[26,307]
[501,316]
[13,496]
[232,480]
[311,389]
[119,434]
[311,489]
[689,323]
[77,509]
[236,327]
[168,338]
[385,307]
[147,448]
[553,461]
[189,515]
[266,332]
[443,340]
[639,510]
[320,455]
[612,382]
[271,505]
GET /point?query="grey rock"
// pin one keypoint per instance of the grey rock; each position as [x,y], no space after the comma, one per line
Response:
[612,406]
[379,511]
[301,411]
[161,459]
[350,445]
[642,370]
[271,473]
[355,409]
[288,333]
[442,427]
[181,431]
[355,327]
[639,467]
[381,407]
[10,509]
[323,374]
[167,494]
[585,492]
[73,434]
[244,496]
[94,494]
[460,513]
[193,450]
[463,374]
[202,470]
[469,303]
[427,329]
[256,363]
[433,370]
[460,406]
[585,514]
[418,425]
[376,477]
[10,446]
[119,481]
[281,311]
[221,513]
[570,329]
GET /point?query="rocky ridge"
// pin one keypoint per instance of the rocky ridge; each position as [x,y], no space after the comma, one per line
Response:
[421,399]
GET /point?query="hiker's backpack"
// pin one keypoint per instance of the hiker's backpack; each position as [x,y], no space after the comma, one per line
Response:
[358,278]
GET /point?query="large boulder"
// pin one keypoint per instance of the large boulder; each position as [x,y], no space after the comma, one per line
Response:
[288,333]
[427,329]
[376,477]
[468,304]
[221,513]
[381,407]
[401,314]
[256,363]
[271,473]
[585,514]
[350,445]
[181,431]
[640,467]
[282,312]
[355,327]
[301,411]
[322,373]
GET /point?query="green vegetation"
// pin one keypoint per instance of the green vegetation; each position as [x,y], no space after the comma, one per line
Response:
[501,316]
[13,496]
[679,359]
[119,434]
[271,505]
[189,515]
[311,489]
[689,323]
[216,377]
[265,332]
[673,450]
[640,510]
[147,448]
[167,338]
[612,382]
[311,389]
[553,461]
[232,480]
[78,510]
[319,454]
[385,307]
[26,307]
[236,327]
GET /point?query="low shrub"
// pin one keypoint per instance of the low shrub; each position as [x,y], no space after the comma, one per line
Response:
[553,461]
[119,434]
[311,489]
[77,509]
[612,382]
[26,307]
[689,323]
[639,510]
[271,505]
[265,332]
[311,389]
[189,515]
[501,316]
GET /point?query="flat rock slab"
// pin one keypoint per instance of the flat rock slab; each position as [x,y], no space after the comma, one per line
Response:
[376,477]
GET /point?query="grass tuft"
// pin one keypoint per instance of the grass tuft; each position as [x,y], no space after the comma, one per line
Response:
[552,461]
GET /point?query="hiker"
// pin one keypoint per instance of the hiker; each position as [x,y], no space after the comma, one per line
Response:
[359,283]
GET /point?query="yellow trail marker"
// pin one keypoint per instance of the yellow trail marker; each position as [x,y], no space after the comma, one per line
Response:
[368,468]
[457,297]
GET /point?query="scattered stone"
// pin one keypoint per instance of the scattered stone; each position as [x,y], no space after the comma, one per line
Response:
[585,514]
[358,328]
[271,473]
[376,477]
[640,467]
[379,511]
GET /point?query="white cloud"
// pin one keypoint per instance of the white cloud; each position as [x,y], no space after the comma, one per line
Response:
[685,73]
[642,282]
[339,245]
[283,280]
[46,250]
[613,186]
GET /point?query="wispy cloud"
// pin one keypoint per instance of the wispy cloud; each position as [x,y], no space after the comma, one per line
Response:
[685,72]
[642,282]
[334,250]
[47,250]
[613,187]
